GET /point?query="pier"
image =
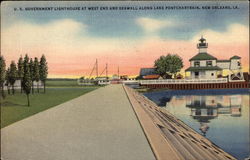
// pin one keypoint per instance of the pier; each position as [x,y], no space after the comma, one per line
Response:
[112,122]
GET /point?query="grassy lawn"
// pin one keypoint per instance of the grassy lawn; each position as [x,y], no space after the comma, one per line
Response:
[61,83]
[14,107]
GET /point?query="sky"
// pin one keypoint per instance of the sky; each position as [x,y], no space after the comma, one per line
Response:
[72,40]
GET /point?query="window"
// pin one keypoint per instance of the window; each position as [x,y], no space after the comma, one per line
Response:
[210,112]
[239,64]
[198,112]
[212,74]
[197,64]
[209,63]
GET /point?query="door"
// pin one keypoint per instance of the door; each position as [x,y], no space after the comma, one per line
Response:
[196,74]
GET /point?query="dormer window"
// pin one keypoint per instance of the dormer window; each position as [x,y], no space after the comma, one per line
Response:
[209,63]
[197,64]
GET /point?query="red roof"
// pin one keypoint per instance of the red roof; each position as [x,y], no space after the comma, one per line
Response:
[154,76]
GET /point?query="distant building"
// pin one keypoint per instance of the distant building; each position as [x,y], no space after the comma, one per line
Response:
[101,78]
[153,76]
[205,66]
[115,76]
[147,71]
[124,77]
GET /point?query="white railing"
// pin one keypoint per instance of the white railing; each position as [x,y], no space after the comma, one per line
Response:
[104,82]
[183,81]
[130,81]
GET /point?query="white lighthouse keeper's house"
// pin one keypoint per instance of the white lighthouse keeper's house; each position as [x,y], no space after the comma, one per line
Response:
[206,66]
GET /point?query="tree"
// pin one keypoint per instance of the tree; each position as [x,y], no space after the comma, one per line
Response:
[36,75]
[13,75]
[43,71]
[20,71]
[2,74]
[168,65]
[175,64]
[25,64]
[31,68]
[161,65]
[26,61]
[27,82]
[7,78]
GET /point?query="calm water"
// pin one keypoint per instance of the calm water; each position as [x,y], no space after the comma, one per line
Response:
[220,115]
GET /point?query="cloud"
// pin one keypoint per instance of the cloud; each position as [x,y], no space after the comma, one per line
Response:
[64,42]
[65,36]
[235,34]
[70,50]
[44,34]
[151,25]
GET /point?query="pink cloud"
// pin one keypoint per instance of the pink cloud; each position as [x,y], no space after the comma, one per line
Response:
[74,55]
[129,62]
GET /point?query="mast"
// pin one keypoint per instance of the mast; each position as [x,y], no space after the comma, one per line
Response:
[96,68]
[107,70]
[118,72]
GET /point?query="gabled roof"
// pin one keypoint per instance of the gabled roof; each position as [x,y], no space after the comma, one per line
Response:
[154,76]
[235,57]
[203,56]
[203,68]
[147,71]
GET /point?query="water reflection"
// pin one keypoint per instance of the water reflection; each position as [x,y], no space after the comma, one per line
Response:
[214,114]
[163,101]
[205,108]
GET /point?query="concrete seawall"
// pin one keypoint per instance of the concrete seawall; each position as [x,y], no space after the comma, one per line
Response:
[169,137]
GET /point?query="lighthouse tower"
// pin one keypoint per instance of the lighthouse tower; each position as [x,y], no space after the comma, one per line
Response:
[202,46]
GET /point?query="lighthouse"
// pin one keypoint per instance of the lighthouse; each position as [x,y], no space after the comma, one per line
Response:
[205,66]
[202,46]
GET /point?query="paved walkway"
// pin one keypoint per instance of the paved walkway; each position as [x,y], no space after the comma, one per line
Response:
[98,125]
